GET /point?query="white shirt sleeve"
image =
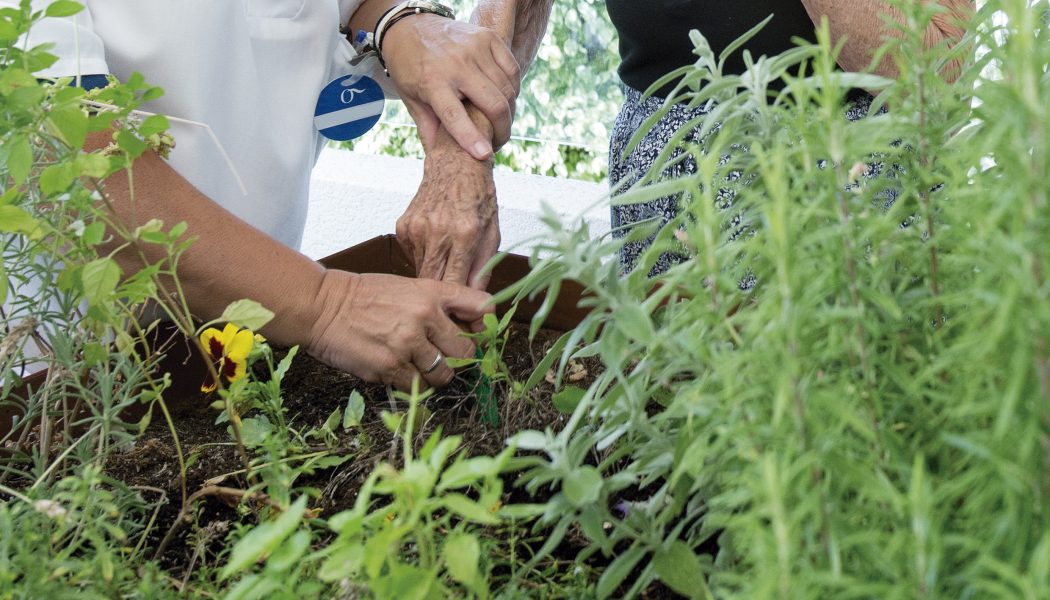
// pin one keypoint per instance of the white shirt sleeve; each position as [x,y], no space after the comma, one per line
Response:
[79,50]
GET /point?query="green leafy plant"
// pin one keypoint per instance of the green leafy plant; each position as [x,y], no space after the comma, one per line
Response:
[872,419]
[411,533]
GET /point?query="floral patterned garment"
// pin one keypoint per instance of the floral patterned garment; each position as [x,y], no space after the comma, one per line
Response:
[624,171]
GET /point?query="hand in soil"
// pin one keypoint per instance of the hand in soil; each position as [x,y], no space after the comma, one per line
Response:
[390,329]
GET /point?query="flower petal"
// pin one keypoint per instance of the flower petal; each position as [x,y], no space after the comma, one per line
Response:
[209,385]
[228,334]
[241,345]
[212,342]
[240,367]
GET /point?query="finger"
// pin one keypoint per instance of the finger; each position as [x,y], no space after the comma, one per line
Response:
[479,277]
[453,116]
[449,338]
[506,61]
[433,264]
[457,267]
[395,371]
[466,304]
[509,89]
[402,378]
[432,366]
[487,98]
[509,86]
[501,136]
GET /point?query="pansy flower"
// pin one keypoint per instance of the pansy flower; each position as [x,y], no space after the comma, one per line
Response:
[229,350]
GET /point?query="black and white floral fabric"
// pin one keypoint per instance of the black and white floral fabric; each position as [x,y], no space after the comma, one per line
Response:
[626,170]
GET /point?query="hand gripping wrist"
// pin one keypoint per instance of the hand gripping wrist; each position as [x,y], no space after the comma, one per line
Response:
[401,11]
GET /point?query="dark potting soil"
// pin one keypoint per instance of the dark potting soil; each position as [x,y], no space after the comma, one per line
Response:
[311,391]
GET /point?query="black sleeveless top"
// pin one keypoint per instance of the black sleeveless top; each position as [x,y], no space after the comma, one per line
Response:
[654,34]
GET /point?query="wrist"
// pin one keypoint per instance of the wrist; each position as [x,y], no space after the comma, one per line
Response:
[332,297]
[401,36]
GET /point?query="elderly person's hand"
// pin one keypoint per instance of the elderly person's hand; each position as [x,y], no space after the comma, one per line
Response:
[438,64]
[451,228]
[394,329]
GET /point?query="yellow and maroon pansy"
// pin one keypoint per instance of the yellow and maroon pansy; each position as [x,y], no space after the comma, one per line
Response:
[229,350]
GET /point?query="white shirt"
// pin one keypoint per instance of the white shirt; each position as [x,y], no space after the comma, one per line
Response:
[250,69]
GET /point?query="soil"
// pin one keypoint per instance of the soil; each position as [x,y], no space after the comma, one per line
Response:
[311,392]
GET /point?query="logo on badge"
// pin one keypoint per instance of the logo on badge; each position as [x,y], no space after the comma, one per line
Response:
[349,107]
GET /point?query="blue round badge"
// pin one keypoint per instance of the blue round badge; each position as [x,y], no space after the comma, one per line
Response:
[348,107]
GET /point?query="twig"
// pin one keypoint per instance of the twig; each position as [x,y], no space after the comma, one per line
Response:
[211,490]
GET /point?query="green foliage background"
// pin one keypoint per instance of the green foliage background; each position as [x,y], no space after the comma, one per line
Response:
[568,101]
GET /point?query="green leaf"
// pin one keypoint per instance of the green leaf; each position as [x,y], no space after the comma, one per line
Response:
[95,353]
[10,196]
[547,362]
[8,31]
[568,399]
[131,144]
[63,8]
[15,220]
[345,562]
[680,569]
[618,571]
[332,422]
[288,554]
[18,156]
[529,440]
[264,539]
[355,410]
[462,553]
[522,511]
[583,486]
[392,421]
[152,125]
[93,165]
[634,322]
[71,124]
[56,179]
[93,233]
[254,430]
[467,471]
[469,510]
[247,313]
[100,278]
[491,323]
[4,284]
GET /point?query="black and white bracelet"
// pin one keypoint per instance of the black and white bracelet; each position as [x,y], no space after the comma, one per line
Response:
[401,11]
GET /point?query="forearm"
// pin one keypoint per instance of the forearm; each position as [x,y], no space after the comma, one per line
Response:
[229,260]
[861,23]
[520,23]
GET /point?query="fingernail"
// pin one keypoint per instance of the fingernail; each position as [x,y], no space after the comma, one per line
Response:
[482,150]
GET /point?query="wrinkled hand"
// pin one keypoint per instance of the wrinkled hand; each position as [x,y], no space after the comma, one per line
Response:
[390,329]
[438,63]
[451,228]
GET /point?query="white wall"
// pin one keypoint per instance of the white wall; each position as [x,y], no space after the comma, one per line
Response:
[355,197]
